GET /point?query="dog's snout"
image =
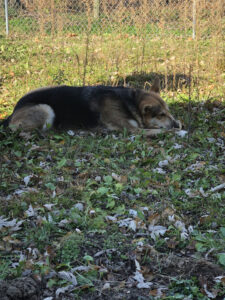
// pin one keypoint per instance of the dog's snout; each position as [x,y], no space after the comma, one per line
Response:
[177,124]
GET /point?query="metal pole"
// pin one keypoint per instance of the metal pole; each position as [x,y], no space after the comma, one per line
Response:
[96,9]
[6,18]
[194,20]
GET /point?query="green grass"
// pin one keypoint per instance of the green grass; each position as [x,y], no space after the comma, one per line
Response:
[69,170]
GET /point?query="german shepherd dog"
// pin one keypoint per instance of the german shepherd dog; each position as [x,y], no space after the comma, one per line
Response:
[89,107]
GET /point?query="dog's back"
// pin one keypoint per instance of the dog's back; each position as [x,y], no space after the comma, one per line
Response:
[67,103]
[64,106]
[87,107]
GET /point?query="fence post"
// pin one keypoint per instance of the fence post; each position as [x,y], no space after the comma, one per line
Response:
[6,18]
[194,20]
[96,9]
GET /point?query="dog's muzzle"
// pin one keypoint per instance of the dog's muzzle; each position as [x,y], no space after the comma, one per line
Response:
[177,124]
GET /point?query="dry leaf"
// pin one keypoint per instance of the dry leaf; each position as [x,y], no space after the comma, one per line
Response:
[172,243]
[68,276]
[156,231]
[11,240]
[154,218]
[205,219]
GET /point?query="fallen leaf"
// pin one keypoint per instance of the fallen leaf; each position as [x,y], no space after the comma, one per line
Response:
[68,276]
[140,279]
[63,222]
[11,240]
[218,187]
[182,133]
[167,212]
[70,132]
[111,219]
[106,286]
[159,171]
[154,218]
[220,279]
[79,206]
[172,243]
[30,212]
[211,295]
[204,219]
[81,269]
[197,166]
[13,225]
[49,206]
[63,290]
[156,231]
[163,163]
[27,179]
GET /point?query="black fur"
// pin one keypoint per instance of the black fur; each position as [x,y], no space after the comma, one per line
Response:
[5,122]
[78,106]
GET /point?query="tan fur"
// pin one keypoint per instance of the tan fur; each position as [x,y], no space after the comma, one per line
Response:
[32,117]
[113,117]
[148,103]
[155,112]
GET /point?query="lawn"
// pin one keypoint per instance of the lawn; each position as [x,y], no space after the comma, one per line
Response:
[92,215]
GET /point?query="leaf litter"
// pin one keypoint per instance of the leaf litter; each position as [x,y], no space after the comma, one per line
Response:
[123,224]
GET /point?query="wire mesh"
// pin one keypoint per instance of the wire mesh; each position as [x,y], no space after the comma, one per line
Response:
[54,16]
[182,17]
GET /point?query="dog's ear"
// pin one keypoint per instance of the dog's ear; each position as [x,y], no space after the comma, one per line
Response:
[146,109]
[150,109]
[156,86]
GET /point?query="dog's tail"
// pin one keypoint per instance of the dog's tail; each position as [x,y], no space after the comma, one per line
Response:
[4,123]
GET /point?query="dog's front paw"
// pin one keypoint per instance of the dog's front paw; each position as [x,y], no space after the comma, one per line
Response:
[153,132]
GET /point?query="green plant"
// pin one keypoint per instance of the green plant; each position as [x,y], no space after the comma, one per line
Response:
[4,268]
[69,249]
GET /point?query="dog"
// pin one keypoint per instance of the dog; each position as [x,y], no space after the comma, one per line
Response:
[114,108]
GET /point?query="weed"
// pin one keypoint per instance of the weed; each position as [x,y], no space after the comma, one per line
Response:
[4,269]
[69,249]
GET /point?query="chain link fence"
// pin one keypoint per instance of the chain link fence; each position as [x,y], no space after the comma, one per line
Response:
[184,17]
[54,16]
[171,37]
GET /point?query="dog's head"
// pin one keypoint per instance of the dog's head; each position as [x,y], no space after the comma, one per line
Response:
[154,111]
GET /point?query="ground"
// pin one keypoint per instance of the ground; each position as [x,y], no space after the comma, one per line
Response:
[93,215]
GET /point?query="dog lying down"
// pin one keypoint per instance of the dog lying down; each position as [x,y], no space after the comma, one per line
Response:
[114,108]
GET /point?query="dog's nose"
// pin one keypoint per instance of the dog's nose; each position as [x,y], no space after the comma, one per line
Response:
[177,124]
